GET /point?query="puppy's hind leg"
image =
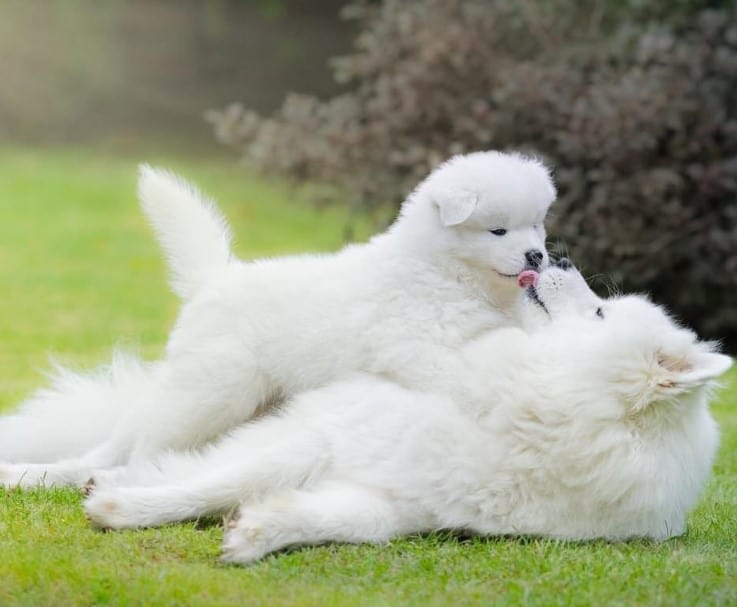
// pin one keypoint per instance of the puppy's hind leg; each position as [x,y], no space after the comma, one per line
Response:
[329,512]
[197,401]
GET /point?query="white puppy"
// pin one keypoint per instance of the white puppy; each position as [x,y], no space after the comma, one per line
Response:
[257,332]
[593,426]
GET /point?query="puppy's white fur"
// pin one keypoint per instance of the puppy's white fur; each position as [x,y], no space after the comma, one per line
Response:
[251,333]
[589,427]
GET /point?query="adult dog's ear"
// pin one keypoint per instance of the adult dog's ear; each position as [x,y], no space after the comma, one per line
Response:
[698,369]
[455,207]
[669,376]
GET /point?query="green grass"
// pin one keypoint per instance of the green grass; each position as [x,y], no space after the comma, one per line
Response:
[79,272]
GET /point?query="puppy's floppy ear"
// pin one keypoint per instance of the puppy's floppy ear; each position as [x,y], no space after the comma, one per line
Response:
[455,206]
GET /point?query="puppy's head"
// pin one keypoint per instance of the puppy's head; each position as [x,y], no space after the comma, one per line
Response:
[487,211]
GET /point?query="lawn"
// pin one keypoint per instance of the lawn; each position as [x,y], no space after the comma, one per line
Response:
[79,272]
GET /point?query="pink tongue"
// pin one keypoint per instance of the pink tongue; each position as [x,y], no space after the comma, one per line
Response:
[527,278]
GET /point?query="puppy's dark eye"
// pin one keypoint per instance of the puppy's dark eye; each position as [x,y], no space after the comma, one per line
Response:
[498,232]
[600,312]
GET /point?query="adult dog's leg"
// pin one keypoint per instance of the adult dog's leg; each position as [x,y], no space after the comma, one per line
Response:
[72,472]
[329,512]
[260,457]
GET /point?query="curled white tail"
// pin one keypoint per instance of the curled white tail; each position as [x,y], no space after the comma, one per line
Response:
[76,413]
[194,235]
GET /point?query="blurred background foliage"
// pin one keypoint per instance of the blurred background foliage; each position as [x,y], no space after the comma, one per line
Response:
[132,71]
[632,102]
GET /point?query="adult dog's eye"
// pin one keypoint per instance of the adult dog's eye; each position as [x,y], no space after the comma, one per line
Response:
[600,312]
[498,232]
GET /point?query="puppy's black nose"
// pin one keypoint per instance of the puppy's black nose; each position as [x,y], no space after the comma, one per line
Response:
[534,258]
[564,263]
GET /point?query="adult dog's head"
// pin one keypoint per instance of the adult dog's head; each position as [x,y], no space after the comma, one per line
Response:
[623,416]
[484,211]
[626,343]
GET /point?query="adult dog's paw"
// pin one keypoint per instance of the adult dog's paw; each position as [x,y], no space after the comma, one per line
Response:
[89,487]
[110,510]
[104,479]
[245,541]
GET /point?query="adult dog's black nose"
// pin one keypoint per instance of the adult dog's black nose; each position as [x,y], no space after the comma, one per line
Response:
[564,263]
[534,258]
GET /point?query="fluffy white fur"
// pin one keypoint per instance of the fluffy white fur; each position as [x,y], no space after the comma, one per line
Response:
[76,413]
[594,425]
[250,334]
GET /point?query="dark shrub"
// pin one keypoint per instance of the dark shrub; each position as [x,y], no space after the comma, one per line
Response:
[636,108]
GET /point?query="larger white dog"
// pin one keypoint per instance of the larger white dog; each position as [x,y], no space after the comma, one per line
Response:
[252,333]
[593,426]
